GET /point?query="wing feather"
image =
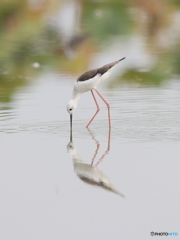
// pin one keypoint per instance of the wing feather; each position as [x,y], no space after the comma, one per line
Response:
[98,71]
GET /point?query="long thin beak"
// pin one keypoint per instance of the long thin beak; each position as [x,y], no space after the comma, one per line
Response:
[71,127]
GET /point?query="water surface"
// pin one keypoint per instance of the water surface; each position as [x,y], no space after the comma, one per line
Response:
[45,46]
[40,192]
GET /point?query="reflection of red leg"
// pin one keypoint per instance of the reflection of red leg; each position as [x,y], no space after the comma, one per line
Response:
[95,154]
[108,106]
[97,144]
[107,151]
[98,109]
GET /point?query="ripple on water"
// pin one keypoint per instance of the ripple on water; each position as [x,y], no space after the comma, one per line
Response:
[138,115]
[7,113]
[123,130]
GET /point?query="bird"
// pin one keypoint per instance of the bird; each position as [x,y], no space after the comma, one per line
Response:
[89,173]
[88,81]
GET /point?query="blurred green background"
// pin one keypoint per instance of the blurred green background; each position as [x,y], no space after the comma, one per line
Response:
[35,36]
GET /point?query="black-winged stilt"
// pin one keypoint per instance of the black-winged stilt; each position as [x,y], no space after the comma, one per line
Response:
[89,81]
[89,173]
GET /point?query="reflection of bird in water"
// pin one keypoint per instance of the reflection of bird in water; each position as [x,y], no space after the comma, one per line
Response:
[89,173]
[89,81]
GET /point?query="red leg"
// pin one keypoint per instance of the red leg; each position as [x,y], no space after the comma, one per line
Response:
[108,106]
[98,109]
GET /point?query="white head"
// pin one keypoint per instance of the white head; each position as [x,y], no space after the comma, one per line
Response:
[71,106]
[71,149]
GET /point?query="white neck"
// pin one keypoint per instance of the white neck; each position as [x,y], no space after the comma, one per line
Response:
[74,154]
[76,96]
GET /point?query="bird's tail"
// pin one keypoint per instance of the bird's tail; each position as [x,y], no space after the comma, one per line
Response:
[121,59]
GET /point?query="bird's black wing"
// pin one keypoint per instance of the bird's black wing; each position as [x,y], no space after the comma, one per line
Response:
[106,67]
[87,75]
[100,71]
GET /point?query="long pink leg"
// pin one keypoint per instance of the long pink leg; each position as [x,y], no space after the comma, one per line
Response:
[108,106]
[98,109]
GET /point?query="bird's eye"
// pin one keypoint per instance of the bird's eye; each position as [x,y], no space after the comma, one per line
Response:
[70,109]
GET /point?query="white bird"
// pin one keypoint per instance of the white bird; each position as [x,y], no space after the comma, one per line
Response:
[89,81]
[88,173]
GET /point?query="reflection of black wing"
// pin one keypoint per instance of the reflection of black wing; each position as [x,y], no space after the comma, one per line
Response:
[101,184]
[92,175]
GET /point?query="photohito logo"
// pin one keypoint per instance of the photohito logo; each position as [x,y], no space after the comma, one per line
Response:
[164,234]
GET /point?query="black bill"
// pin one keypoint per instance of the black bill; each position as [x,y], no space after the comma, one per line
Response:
[70,127]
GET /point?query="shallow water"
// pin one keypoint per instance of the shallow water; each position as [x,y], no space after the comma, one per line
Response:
[41,195]
[45,193]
